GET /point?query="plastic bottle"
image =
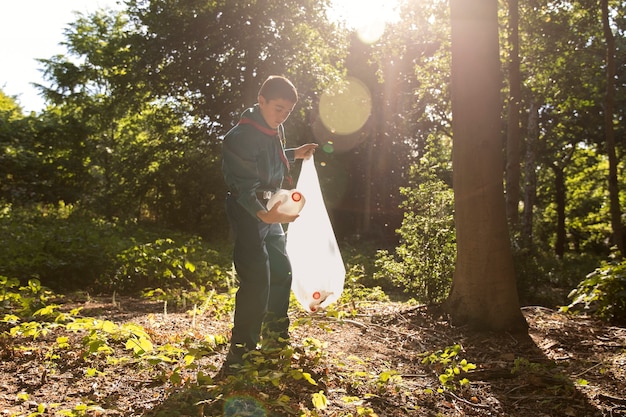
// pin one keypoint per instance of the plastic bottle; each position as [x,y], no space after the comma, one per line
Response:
[292,201]
[318,298]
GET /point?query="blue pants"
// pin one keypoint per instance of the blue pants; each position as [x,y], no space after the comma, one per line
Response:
[264,274]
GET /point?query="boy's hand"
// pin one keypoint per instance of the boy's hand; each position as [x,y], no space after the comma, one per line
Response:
[274,216]
[305,151]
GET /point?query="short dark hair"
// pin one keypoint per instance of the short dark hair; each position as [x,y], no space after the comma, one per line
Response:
[277,87]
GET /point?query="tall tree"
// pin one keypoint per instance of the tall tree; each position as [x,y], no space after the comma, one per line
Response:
[484,293]
[609,130]
[561,51]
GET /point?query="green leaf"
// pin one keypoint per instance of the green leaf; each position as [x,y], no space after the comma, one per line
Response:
[63,342]
[109,327]
[190,267]
[204,379]
[10,318]
[140,345]
[307,377]
[384,376]
[319,400]
[46,311]
[175,378]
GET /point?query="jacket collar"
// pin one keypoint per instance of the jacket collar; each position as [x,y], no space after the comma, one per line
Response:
[253,117]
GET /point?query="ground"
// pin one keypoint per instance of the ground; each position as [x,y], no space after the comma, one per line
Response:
[370,364]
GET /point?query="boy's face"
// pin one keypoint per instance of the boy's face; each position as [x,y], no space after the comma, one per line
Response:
[275,111]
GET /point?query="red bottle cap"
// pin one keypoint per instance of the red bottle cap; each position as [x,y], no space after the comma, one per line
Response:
[296,196]
[316,295]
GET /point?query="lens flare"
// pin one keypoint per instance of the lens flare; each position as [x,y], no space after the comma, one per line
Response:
[345,107]
[372,31]
[243,406]
[368,18]
[328,147]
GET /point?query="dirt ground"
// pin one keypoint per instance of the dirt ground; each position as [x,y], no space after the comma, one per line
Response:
[569,366]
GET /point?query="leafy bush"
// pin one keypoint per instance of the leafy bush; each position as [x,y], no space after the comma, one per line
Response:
[602,292]
[58,245]
[67,249]
[423,263]
[166,264]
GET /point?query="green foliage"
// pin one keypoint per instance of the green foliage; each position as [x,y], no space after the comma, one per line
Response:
[131,143]
[278,378]
[450,367]
[23,301]
[66,249]
[602,292]
[103,339]
[63,248]
[356,292]
[423,263]
[166,264]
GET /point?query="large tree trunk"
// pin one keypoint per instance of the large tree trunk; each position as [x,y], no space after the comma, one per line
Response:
[513,148]
[484,294]
[609,107]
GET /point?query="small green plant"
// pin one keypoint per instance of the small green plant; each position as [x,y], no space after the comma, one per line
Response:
[546,373]
[23,301]
[26,308]
[602,292]
[450,367]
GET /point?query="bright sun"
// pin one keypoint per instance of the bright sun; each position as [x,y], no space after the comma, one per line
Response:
[367,17]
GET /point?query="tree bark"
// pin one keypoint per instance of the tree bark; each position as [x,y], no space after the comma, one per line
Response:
[609,108]
[484,294]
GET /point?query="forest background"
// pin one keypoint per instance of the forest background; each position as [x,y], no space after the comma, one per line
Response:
[116,188]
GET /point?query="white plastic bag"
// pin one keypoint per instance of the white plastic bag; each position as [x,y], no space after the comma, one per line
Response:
[318,269]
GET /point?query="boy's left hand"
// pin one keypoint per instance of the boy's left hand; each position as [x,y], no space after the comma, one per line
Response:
[305,151]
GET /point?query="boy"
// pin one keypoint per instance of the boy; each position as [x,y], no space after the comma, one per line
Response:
[254,165]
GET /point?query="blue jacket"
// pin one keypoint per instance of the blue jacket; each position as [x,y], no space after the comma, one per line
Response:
[254,159]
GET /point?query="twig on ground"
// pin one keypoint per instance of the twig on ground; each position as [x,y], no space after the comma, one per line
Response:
[588,370]
[463,400]
[616,400]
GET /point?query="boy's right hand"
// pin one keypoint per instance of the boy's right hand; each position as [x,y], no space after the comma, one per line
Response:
[275,216]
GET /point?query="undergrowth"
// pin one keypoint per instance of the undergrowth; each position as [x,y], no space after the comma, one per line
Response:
[276,380]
